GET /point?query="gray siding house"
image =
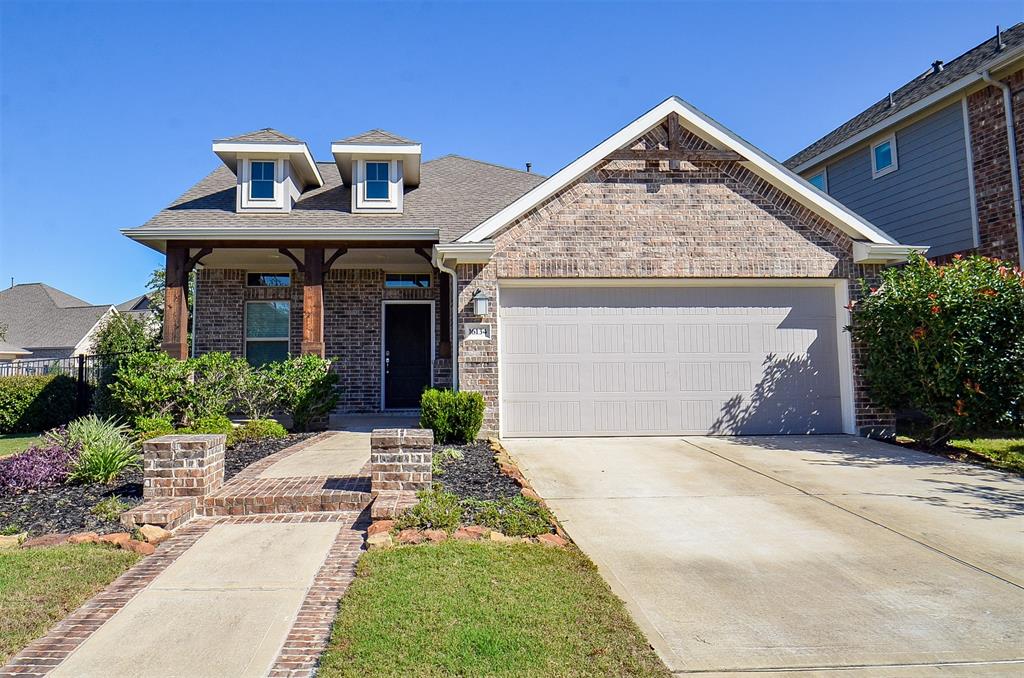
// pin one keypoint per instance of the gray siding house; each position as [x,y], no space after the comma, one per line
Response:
[936,162]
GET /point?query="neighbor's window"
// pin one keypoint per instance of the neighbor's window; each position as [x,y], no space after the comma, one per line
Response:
[819,181]
[377,180]
[268,279]
[261,181]
[883,157]
[266,331]
[407,280]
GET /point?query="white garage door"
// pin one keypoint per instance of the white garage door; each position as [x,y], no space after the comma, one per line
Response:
[610,361]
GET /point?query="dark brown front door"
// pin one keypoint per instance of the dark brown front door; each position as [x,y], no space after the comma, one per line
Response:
[406,354]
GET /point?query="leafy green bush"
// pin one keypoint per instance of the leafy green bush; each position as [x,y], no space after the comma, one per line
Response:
[153,427]
[946,340]
[107,449]
[213,383]
[256,391]
[436,510]
[445,456]
[119,335]
[454,417]
[36,402]
[516,517]
[256,429]
[307,388]
[110,509]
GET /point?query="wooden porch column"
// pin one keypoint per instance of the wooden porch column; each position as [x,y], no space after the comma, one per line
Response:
[175,341]
[313,303]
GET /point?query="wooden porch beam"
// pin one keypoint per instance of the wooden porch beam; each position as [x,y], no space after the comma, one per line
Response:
[673,132]
[313,303]
[175,337]
[690,155]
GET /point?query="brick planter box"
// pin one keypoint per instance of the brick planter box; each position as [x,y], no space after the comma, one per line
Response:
[182,465]
[400,459]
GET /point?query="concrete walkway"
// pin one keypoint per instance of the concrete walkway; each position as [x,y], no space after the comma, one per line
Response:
[342,454]
[811,555]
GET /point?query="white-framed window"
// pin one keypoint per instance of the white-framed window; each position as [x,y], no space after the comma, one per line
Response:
[266,331]
[261,180]
[883,157]
[405,280]
[819,180]
[378,183]
[268,279]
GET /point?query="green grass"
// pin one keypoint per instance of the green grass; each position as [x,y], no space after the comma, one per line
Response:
[41,586]
[1004,453]
[481,609]
[16,442]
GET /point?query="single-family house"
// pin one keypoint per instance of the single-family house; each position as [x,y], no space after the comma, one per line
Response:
[45,322]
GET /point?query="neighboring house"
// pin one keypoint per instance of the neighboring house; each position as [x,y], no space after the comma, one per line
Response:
[49,323]
[11,352]
[937,161]
[673,279]
[139,307]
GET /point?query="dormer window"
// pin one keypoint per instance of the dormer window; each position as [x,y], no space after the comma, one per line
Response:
[261,183]
[377,180]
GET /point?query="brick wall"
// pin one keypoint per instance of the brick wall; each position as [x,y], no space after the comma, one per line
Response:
[992,181]
[352,323]
[637,219]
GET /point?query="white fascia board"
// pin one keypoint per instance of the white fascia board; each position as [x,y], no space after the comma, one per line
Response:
[377,149]
[465,253]
[950,90]
[298,154]
[709,130]
[282,233]
[410,154]
[85,344]
[878,253]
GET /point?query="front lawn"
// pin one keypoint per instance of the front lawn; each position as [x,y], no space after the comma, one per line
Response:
[481,609]
[41,586]
[16,442]
[1004,453]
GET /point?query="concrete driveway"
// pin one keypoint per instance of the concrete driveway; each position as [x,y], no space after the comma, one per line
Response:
[775,553]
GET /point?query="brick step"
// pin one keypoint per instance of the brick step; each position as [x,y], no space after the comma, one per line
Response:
[253,496]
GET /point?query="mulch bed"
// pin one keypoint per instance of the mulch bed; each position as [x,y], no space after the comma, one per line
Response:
[476,475]
[65,508]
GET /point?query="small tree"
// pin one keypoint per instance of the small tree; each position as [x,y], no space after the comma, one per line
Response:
[947,341]
[123,333]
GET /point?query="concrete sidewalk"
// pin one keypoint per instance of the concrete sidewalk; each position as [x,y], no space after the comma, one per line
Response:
[817,555]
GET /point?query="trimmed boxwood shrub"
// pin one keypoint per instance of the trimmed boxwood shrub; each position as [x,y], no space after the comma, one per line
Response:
[454,417]
[256,429]
[31,403]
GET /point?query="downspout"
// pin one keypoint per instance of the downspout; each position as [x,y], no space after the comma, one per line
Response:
[437,262]
[1011,142]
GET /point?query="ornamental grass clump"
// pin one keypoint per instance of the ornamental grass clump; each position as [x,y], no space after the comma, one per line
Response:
[106,448]
[36,468]
[947,341]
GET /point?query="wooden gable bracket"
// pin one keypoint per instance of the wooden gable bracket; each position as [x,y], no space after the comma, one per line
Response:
[194,259]
[327,263]
[425,254]
[299,266]
[674,151]
[334,257]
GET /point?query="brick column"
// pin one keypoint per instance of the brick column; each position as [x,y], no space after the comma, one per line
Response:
[400,459]
[183,465]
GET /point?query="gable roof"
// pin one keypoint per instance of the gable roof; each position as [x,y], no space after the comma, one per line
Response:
[710,131]
[376,136]
[11,349]
[40,316]
[139,304]
[455,194]
[968,66]
[265,135]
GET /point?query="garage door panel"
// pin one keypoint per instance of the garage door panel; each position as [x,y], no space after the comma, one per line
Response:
[691,360]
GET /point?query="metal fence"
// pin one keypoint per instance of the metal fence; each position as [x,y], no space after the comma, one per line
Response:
[86,370]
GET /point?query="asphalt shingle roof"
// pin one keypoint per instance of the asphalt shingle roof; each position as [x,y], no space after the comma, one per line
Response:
[972,61]
[265,135]
[376,136]
[40,316]
[455,194]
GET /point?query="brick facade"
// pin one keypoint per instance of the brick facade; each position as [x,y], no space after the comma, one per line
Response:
[630,219]
[992,180]
[353,301]
[177,466]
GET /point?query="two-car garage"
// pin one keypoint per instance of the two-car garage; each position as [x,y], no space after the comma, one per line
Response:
[730,357]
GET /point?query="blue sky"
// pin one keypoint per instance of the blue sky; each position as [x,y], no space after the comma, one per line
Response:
[108,109]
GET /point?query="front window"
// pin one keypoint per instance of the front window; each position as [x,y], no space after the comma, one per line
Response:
[883,157]
[261,183]
[266,331]
[268,279]
[407,280]
[377,181]
[818,181]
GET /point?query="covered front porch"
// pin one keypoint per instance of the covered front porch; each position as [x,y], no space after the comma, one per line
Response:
[382,309]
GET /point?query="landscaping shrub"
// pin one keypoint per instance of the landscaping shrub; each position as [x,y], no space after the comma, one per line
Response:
[445,456]
[213,384]
[212,424]
[110,509]
[119,335]
[150,385]
[256,391]
[307,388]
[946,341]
[153,427]
[106,449]
[436,510]
[36,468]
[454,417]
[516,517]
[36,402]
[256,429]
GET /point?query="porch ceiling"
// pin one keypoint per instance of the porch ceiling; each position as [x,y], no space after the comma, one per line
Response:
[270,260]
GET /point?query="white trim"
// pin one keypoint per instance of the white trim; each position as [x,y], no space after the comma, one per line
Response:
[874,253]
[840,286]
[383,149]
[228,152]
[754,159]
[909,111]
[466,252]
[245,325]
[282,232]
[383,340]
[85,344]
[895,165]
[975,225]
[824,179]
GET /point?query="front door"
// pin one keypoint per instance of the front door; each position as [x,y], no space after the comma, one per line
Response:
[406,354]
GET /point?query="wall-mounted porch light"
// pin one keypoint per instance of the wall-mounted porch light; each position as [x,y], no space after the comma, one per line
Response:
[481,302]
